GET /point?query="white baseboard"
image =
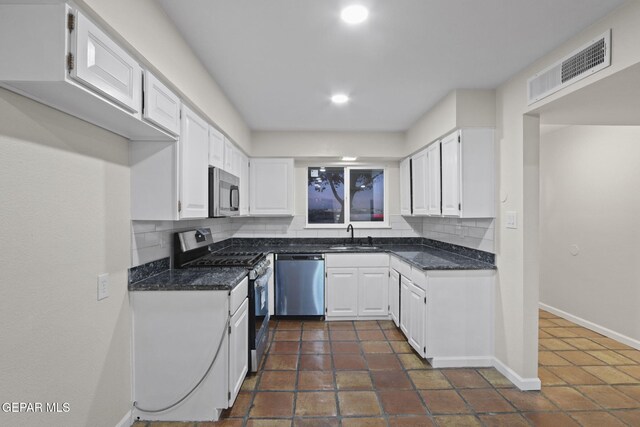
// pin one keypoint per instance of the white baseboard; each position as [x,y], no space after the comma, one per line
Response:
[521,383]
[593,326]
[126,421]
[461,362]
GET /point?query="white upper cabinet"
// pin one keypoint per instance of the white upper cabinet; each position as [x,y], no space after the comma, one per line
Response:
[216,148]
[433,179]
[271,187]
[104,66]
[451,175]
[405,186]
[194,168]
[426,180]
[419,166]
[468,174]
[161,106]
[54,54]
[244,185]
[228,156]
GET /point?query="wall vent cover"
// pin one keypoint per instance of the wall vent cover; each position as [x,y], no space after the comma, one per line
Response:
[582,62]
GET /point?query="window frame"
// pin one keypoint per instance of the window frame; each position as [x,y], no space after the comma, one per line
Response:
[347,210]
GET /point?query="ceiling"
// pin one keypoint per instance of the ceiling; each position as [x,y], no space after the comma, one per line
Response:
[279,61]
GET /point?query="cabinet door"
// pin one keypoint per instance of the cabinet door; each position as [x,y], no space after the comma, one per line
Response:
[161,106]
[236,162]
[104,66]
[194,179]
[405,308]
[394,296]
[373,286]
[342,292]
[405,187]
[238,349]
[216,148]
[419,167]
[451,175]
[271,187]
[244,185]
[417,318]
[433,179]
[228,156]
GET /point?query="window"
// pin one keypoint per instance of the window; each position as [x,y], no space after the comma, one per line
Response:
[337,196]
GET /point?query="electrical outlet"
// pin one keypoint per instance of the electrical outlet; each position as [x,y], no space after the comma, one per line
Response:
[512,219]
[103,286]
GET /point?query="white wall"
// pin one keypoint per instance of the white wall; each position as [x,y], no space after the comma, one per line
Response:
[460,108]
[589,180]
[64,209]
[517,279]
[327,144]
[143,25]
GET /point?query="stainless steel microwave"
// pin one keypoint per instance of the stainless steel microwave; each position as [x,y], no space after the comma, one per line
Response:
[224,194]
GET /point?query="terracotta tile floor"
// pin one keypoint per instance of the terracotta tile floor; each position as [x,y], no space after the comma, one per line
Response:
[363,374]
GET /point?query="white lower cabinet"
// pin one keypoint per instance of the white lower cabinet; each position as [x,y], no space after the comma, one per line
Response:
[357,286]
[342,292]
[446,315]
[457,319]
[238,349]
[175,338]
[405,293]
[413,314]
[372,291]
[394,296]
[417,309]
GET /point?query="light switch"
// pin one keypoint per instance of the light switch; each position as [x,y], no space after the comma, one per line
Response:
[103,286]
[512,219]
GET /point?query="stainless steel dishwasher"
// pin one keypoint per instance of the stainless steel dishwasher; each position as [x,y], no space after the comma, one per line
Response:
[299,285]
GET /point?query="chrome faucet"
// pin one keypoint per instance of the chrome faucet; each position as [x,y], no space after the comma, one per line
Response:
[350,228]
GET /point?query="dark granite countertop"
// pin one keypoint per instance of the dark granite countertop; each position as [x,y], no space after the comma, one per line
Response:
[194,279]
[418,255]
[421,253]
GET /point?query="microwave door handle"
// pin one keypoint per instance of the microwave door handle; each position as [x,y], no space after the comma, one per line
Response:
[233,206]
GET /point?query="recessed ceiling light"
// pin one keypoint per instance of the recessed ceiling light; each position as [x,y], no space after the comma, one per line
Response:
[339,98]
[349,159]
[354,14]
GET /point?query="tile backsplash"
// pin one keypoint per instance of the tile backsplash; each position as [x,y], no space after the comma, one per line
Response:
[152,240]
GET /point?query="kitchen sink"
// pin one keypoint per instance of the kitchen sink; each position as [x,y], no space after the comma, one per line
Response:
[354,248]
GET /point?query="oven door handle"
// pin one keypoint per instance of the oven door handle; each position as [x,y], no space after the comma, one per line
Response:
[263,279]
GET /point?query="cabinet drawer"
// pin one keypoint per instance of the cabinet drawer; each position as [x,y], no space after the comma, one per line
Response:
[357,260]
[400,266]
[238,295]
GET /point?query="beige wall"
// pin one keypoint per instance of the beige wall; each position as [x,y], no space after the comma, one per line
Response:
[144,26]
[589,176]
[327,144]
[64,209]
[517,289]
[460,108]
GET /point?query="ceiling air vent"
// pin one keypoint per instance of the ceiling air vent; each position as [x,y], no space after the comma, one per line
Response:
[581,63]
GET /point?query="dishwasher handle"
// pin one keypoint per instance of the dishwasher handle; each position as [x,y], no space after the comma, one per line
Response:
[299,257]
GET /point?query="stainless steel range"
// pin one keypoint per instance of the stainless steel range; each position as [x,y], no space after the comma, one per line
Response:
[191,250]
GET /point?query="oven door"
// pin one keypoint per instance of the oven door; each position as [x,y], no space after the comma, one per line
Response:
[224,193]
[261,316]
